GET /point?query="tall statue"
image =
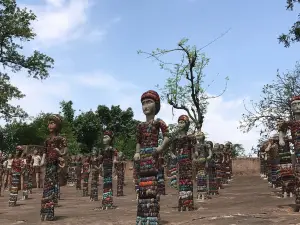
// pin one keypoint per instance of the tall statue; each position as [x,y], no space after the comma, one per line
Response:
[85,174]
[55,147]
[120,169]
[218,159]
[78,172]
[95,168]
[202,154]
[147,153]
[228,160]
[16,170]
[184,145]
[107,159]
[294,127]
[213,188]
[273,158]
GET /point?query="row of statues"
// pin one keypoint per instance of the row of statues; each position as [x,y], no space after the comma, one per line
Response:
[280,155]
[191,156]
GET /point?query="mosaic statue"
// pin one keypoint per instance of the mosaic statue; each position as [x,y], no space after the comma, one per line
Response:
[120,169]
[78,167]
[213,188]
[223,164]
[16,170]
[228,160]
[72,172]
[218,159]
[26,174]
[85,174]
[37,167]
[294,127]
[55,147]
[184,144]
[203,154]
[107,157]
[273,159]
[263,159]
[147,153]
[95,168]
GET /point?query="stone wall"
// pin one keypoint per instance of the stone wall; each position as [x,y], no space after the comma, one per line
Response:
[246,167]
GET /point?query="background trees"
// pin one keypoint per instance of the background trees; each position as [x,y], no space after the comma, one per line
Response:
[293,34]
[16,30]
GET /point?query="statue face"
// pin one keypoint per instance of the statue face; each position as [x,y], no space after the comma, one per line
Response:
[181,125]
[200,136]
[216,147]
[148,106]
[10,156]
[221,147]
[106,140]
[52,126]
[35,152]
[295,106]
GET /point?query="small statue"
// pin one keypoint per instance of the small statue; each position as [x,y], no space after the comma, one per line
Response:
[218,159]
[213,188]
[120,169]
[72,172]
[95,168]
[184,145]
[228,160]
[147,153]
[26,174]
[61,166]
[78,167]
[202,155]
[107,159]
[85,174]
[55,147]
[7,174]
[16,170]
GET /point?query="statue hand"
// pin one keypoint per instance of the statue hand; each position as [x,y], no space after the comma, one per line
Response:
[281,142]
[136,156]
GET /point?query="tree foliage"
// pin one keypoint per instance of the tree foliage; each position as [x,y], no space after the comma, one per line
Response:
[184,88]
[293,34]
[274,103]
[15,24]
[238,150]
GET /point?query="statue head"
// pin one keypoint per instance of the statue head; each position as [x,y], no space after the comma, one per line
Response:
[216,147]
[295,104]
[210,144]
[55,123]
[221,147]
[200,136]
[183,123]
[120,156]
[150,102]
[35,152]
[10,156]
[108,137]
[94,151]
[19,150]
[228,145]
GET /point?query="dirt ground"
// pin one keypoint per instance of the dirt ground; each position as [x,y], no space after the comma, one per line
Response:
[246,200]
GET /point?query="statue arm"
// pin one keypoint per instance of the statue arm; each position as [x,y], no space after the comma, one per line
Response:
[165,132]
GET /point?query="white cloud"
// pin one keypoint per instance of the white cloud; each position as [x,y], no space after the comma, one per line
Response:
[104,81]
[220,123]
[59,21]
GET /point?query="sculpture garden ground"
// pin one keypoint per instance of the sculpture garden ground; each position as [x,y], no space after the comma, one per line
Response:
[246,200]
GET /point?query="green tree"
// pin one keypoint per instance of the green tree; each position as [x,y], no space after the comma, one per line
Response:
[184,88]
[294,33]
[274,104]
[16,30]
[238,150]
[68,114]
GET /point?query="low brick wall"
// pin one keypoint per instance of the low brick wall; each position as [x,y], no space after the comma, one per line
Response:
[246,167]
